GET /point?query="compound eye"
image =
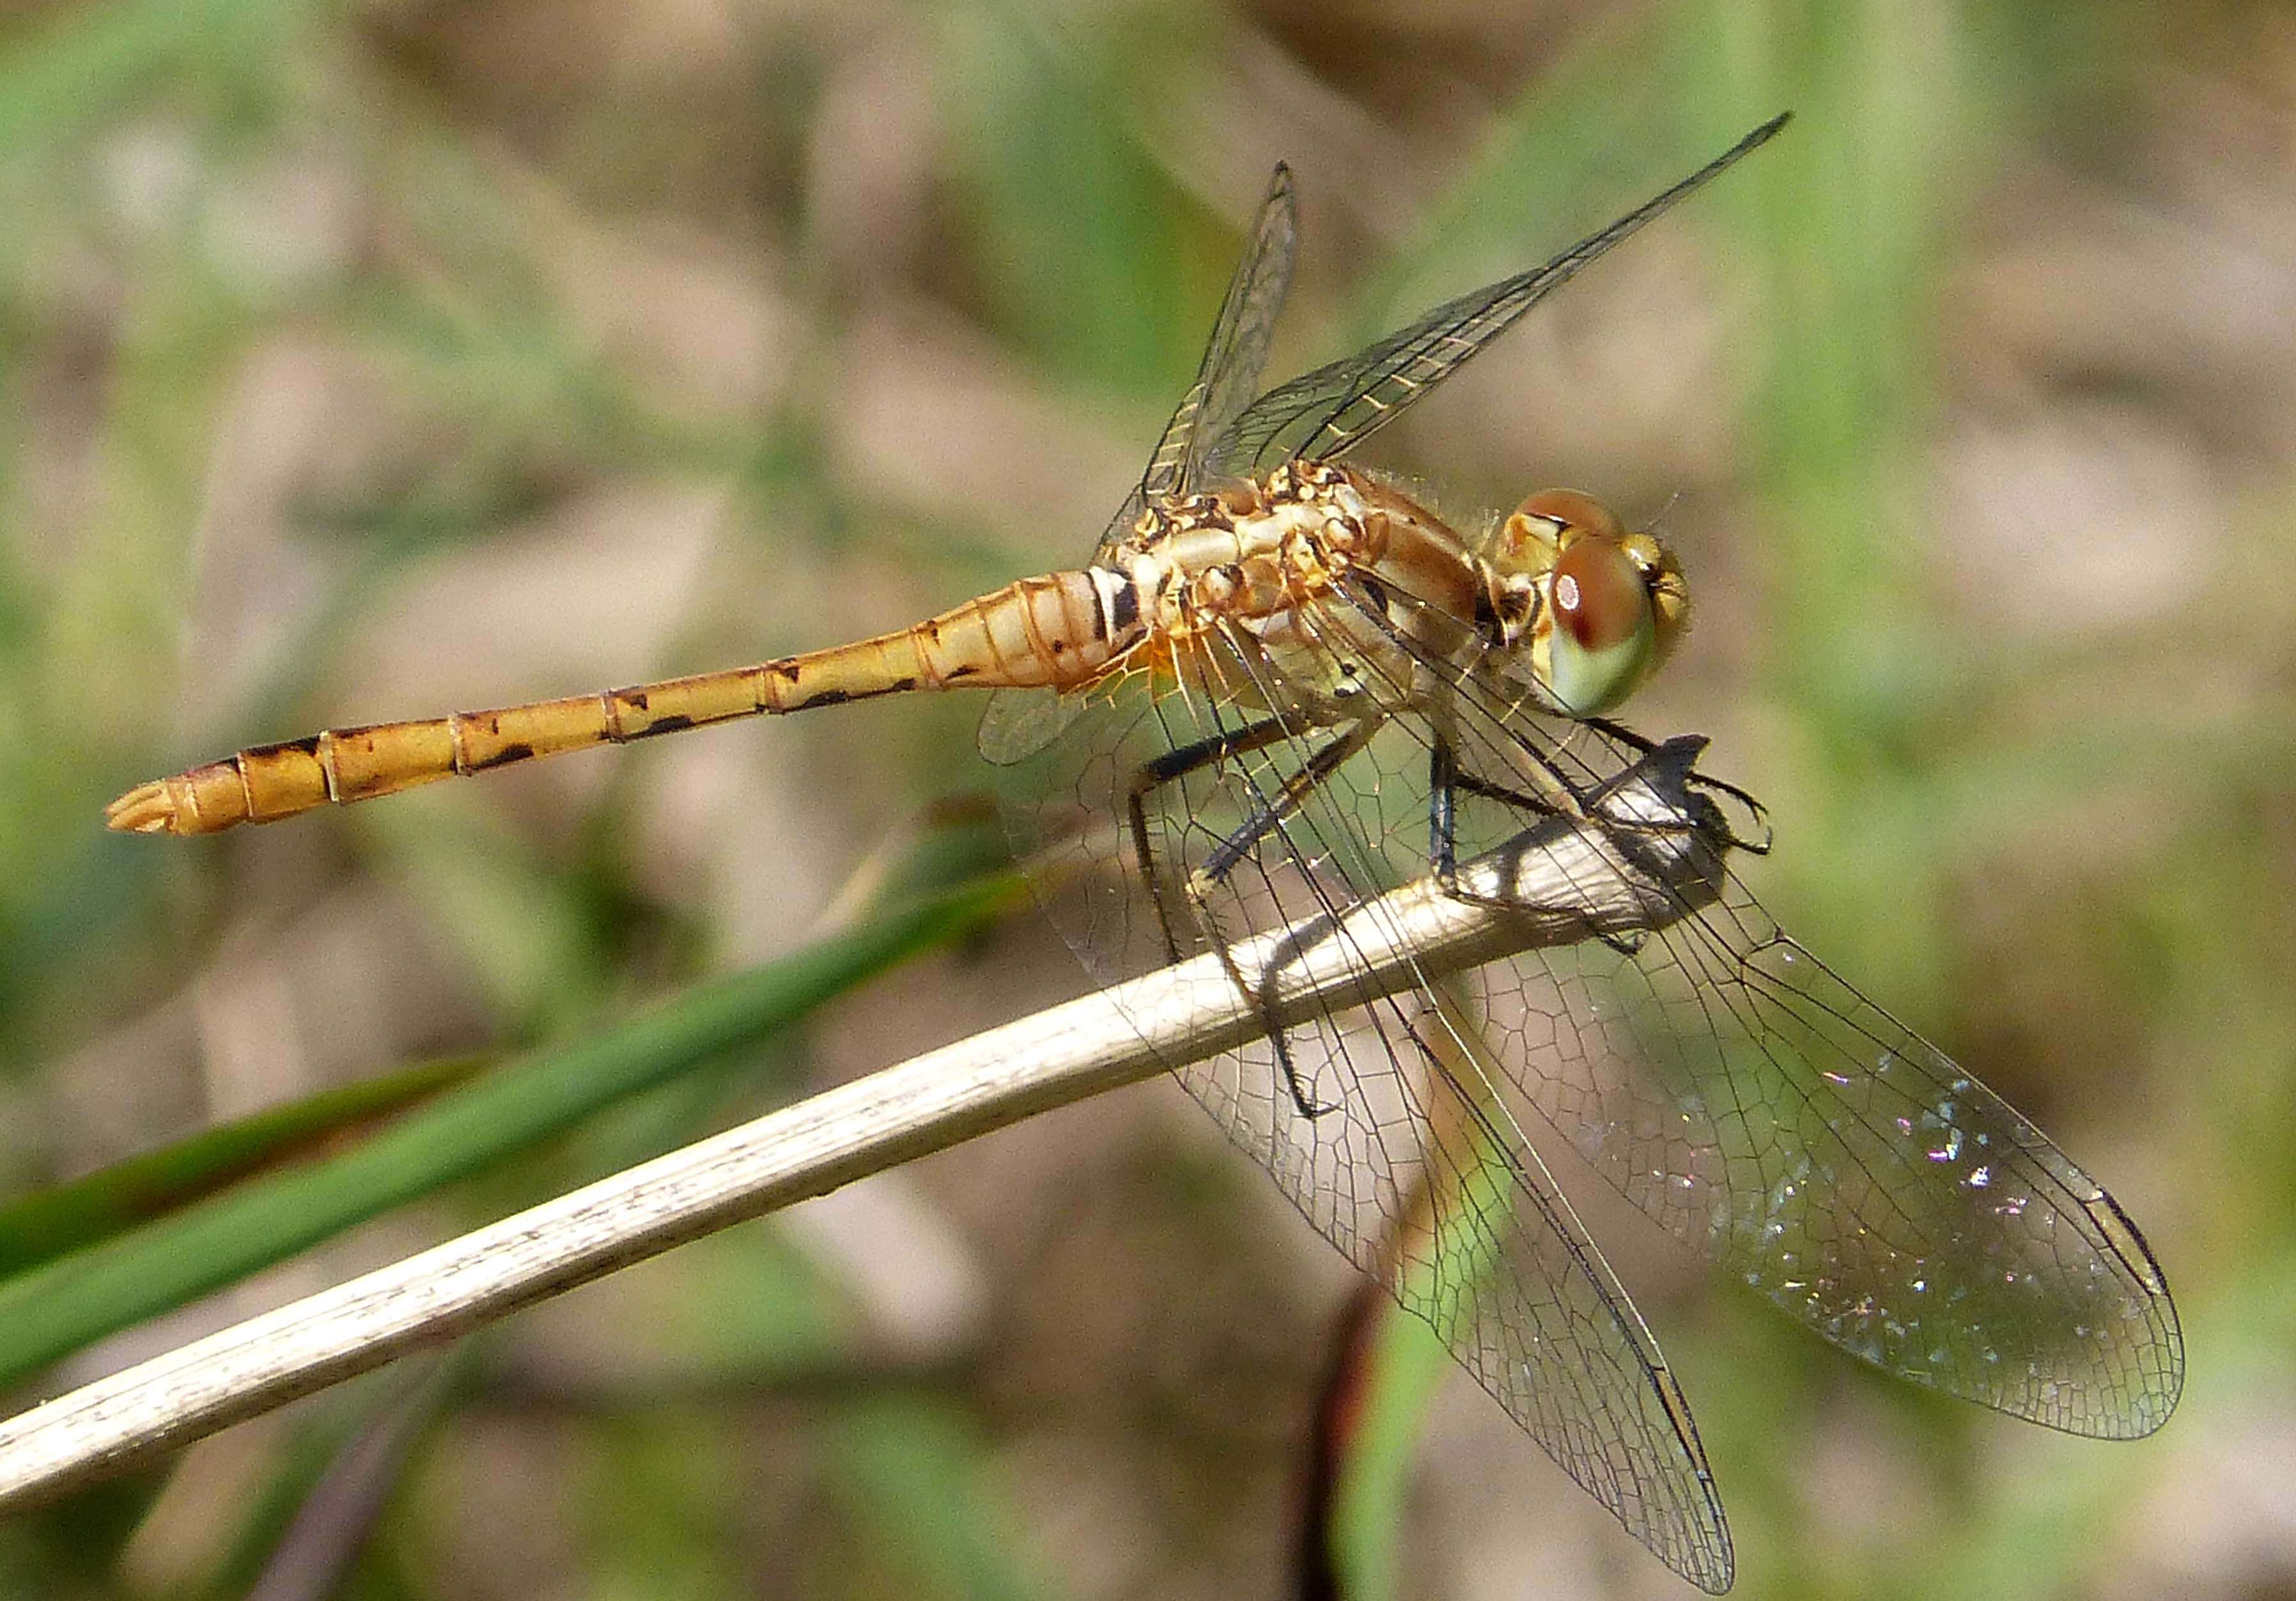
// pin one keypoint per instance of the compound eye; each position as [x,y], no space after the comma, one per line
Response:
[1570,509]
[1600,597]
[1604,639]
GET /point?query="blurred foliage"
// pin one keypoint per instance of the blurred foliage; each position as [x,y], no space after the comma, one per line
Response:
[366,359]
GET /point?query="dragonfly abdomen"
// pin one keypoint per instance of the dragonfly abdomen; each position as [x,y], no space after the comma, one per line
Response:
[1059,630]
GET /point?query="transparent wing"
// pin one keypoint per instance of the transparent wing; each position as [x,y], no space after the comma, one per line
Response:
[1017,723]
[1321,414]
[1237,350]
[1741,1093]
[1756,1104]
[1377,1119]
[1233,356]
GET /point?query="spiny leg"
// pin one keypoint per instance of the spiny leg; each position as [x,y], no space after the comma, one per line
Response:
[1270,815]
[1646,747]
[1232,655]
[1266,816]
[1170,768]
[1445,783]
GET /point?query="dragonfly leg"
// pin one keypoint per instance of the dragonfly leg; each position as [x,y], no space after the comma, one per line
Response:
[1266,817]
[1267,814]
[1263,999]
[1642,746]
[1169,769]
[1278,1038]
[1445,783]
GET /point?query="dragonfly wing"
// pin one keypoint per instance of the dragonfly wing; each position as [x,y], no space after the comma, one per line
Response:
[1233,356]
[1018,723]
[1376,1118]
[1750,1100]
[1740,1092]
[1237,350]
[1399,1168]
[1322,414]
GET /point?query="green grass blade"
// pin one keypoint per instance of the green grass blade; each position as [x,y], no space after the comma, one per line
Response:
[56,1309]
[64,1218]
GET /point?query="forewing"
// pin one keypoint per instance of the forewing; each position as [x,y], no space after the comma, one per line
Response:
[1233,356]
[1322,414]
[1237,350]
[1383,1131]
[1018,723]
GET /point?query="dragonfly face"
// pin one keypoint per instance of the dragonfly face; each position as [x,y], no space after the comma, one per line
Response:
[1602,608]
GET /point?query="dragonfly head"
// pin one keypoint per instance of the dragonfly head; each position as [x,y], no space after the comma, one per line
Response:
[1601,606]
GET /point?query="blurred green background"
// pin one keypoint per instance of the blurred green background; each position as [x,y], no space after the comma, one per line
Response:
[365,361]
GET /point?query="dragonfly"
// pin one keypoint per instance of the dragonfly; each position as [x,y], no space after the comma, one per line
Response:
[1282,688]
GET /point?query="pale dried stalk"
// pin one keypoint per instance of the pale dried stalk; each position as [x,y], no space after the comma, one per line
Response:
[1114,1036]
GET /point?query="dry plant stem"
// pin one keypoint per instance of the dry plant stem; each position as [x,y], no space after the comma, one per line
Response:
[1112,1038]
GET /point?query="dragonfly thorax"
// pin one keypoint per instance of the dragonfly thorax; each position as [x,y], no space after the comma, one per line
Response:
[1248,552]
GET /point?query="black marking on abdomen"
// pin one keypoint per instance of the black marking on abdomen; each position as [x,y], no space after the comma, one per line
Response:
[838,697]
[507,754]
[307,746]
[1124,607]
[665,725]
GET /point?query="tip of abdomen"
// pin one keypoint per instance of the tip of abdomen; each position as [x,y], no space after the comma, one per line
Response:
[147,808]
[204,801]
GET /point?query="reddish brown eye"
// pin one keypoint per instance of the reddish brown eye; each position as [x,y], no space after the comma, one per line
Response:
[1599,596]
[1571,509]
